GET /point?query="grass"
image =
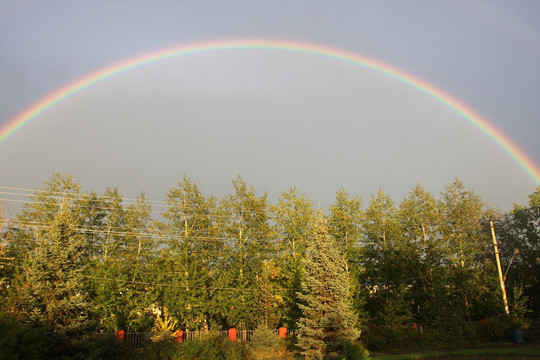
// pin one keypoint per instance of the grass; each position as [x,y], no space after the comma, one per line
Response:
[510,352]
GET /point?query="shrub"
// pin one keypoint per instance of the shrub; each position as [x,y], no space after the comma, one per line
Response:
[235,350]
[93,347]
[212,347]
[160,350]
[265,343]
[21,341]
[209,348]
[496,329]
[355,351]
[164,325]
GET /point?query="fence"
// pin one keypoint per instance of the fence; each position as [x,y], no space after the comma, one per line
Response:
[382,338]
[137,340]
[240,335]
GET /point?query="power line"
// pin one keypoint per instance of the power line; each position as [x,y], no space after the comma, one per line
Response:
[211,214]
[130,201]
[35,192]
[165,234]
[121,205]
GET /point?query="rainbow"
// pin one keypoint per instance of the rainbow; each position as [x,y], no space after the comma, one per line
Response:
[24,118]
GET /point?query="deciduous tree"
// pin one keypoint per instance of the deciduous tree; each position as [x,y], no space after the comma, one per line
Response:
[294,219]
[50,290]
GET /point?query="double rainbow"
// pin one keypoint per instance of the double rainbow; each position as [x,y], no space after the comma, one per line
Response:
[529,167]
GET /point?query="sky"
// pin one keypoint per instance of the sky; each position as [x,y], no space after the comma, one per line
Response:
[277,118]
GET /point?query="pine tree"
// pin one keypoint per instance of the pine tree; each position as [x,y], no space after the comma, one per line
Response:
[328,320]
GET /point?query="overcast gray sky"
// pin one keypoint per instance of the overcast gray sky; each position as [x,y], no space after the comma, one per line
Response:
[277,118]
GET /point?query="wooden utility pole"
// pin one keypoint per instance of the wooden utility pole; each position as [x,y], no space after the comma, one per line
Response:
[499,269]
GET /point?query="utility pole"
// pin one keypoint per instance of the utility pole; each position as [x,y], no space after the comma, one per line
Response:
[499,269]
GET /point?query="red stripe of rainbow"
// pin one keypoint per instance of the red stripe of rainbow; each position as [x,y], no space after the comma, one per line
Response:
[530,168]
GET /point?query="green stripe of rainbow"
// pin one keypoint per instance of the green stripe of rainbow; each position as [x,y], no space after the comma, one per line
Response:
[473,118]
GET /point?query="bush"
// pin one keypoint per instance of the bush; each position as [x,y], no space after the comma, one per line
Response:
[235,350]
[92,347]
[207,349]
[212,347]
[355,351]
[496,329]
[265,343]
[160,350]
[21,341]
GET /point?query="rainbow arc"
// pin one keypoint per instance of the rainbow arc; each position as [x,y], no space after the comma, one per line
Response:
[473,118]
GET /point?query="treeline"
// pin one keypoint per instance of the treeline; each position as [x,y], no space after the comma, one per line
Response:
[77,261]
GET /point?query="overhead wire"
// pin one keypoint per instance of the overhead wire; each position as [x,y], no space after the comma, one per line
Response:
[131,201]
[165,234]
[109,208]
[36,192]
[213,214]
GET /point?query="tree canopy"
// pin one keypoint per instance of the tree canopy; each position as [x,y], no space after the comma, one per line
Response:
[75,260]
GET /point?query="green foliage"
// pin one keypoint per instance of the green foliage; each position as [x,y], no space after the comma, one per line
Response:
[247,232]
[76,262]
[160,351]
[50,291]
[328,317]
[19,341]
[294,219]
[209,348]
[463,217]
[189,259]
[385,270]
[518,305]
[355,351]
[266,343]
[91,347]
[164,326]
[518,235]
[344,226]
[120,255]
[495,329]
[379,338]
[235,350]
[24,341]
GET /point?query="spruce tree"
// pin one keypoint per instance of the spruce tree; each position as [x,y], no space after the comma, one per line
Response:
[328,320]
